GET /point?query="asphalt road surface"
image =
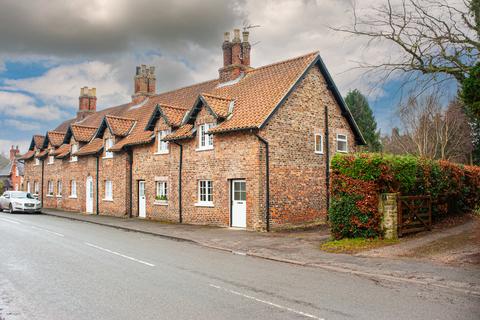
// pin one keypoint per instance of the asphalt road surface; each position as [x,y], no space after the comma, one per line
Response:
[55,269]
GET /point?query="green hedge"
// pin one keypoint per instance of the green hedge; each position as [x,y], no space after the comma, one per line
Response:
[358,179]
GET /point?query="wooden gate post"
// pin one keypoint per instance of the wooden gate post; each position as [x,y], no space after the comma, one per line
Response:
[387,207]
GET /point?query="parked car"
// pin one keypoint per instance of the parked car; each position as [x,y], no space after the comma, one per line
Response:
[19,201]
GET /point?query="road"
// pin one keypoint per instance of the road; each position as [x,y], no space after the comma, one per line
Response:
[54,268]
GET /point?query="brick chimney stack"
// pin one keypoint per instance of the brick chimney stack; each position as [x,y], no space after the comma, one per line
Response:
[14,152]
[236,55]
[145,82]
[87,102]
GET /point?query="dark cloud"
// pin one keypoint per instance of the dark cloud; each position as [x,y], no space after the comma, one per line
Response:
[65,28]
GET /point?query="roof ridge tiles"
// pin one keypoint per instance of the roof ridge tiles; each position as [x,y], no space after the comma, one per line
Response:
[313,53]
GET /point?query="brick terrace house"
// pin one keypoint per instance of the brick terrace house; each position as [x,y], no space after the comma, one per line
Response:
[249,149]
[11,171]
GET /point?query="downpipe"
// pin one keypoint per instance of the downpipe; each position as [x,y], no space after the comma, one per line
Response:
[267,182]
[180,164]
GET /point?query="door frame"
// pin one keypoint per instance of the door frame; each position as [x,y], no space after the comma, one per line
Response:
[231,201]
[138,198]
[88,192]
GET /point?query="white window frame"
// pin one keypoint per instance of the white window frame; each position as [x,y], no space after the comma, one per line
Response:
[345,139]
[59,188]
[37,161]
[162,146]
[51,159]
[28,187]
[205,140]
[108,145]
[36,189]
[72,151]
[320,136]
[205,193]
[73,189]
[108,190]
[161,190]
[50,187]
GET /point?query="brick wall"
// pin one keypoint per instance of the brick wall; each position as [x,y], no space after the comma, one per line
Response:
[32,174]
[297,173]
[116,170]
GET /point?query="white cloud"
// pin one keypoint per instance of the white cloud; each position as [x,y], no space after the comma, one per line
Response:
[60,86]
[19,105]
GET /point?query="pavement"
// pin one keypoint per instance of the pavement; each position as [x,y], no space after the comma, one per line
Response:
[300,248]
[57,268]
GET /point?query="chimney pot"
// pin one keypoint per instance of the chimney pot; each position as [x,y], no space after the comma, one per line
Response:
[245,36]
[236,35]
[226,36]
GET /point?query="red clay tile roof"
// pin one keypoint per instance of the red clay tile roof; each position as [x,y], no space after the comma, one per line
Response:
[184,132]
[120,126]
[219,105]
[55,138]
[27,155]
[38,140]
[140,137]
[94,147]
[42,153]
[62,151]
[174,114]
[82,133]
[258,93]
[255,97]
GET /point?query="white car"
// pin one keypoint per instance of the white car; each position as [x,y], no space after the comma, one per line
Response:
[19,201]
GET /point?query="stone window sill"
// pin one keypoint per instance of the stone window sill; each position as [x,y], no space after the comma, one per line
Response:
[161,202]
[204,149]
[318,152]
[72,197]
[162,152]
[59,195]
[204,204]
[109,200]
[50,195]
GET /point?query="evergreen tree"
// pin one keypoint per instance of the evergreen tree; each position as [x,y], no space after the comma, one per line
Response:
[363,115]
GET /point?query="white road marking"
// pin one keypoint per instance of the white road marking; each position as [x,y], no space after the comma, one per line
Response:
[8,220]
[121,255]
[307,315]
[45,230]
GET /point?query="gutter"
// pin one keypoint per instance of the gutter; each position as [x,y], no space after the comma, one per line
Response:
[327,164]
[267,182]
[43,169]
[180,214]
[96,182]
[130,178]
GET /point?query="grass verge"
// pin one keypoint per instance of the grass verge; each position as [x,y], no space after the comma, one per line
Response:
[355,245]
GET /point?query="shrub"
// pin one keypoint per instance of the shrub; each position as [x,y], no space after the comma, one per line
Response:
[358,179]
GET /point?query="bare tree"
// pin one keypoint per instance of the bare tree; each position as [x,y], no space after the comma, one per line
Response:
[433,36]
[432,131]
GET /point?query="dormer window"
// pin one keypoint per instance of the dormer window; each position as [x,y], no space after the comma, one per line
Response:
[108,145]
[162,146]
[74,149]
[205,140]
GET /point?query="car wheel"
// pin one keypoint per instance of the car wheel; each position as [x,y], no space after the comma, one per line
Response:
[10,208]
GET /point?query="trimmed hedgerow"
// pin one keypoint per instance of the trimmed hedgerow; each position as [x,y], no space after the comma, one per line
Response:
[358,179]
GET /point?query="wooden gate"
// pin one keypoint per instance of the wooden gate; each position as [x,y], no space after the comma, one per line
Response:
[414,214]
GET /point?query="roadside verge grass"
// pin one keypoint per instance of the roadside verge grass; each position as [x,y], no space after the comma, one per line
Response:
[355,245]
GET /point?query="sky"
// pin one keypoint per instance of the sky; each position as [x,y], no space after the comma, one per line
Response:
[49,49]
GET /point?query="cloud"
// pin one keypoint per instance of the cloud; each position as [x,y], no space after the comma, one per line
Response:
[77,27]
[19,105]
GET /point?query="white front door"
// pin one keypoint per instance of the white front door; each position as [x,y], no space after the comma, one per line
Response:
[239,204]
[142,201]
[89,195]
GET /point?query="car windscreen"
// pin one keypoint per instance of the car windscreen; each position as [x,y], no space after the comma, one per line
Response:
[21,195]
